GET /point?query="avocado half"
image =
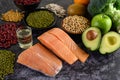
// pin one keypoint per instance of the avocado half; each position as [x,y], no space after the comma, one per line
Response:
[91,38]
[110,42]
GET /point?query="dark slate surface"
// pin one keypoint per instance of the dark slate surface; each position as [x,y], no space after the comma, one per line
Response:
[97,67]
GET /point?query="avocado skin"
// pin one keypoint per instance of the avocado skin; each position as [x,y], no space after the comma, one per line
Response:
[110,42]
[92,44]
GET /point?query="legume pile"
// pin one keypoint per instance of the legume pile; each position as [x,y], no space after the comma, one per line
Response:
[40,19]
[26,2]
[8,35]
[75,24]
[13,16]
[7,59]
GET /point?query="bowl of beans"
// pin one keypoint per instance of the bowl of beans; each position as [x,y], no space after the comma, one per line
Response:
[7,34]
[27,5]
[40,19]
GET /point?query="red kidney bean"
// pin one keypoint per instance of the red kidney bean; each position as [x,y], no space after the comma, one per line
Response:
[8,34]
[26,2]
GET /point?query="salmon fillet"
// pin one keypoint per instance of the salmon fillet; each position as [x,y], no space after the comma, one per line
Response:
[66,39]
[41,59]
[57,47]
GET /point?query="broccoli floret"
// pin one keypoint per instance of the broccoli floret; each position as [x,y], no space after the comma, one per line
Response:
[114,14]
[117,4]
[98,6]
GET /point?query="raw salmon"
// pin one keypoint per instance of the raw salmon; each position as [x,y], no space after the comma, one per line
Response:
[41,59]
[57,47]
[66,39]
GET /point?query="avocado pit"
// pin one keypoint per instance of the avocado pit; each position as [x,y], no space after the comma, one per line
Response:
[91,35]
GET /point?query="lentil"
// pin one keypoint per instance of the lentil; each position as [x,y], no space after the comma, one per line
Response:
[13,16]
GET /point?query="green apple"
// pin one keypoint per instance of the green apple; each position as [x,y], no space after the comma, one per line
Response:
[102,21]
